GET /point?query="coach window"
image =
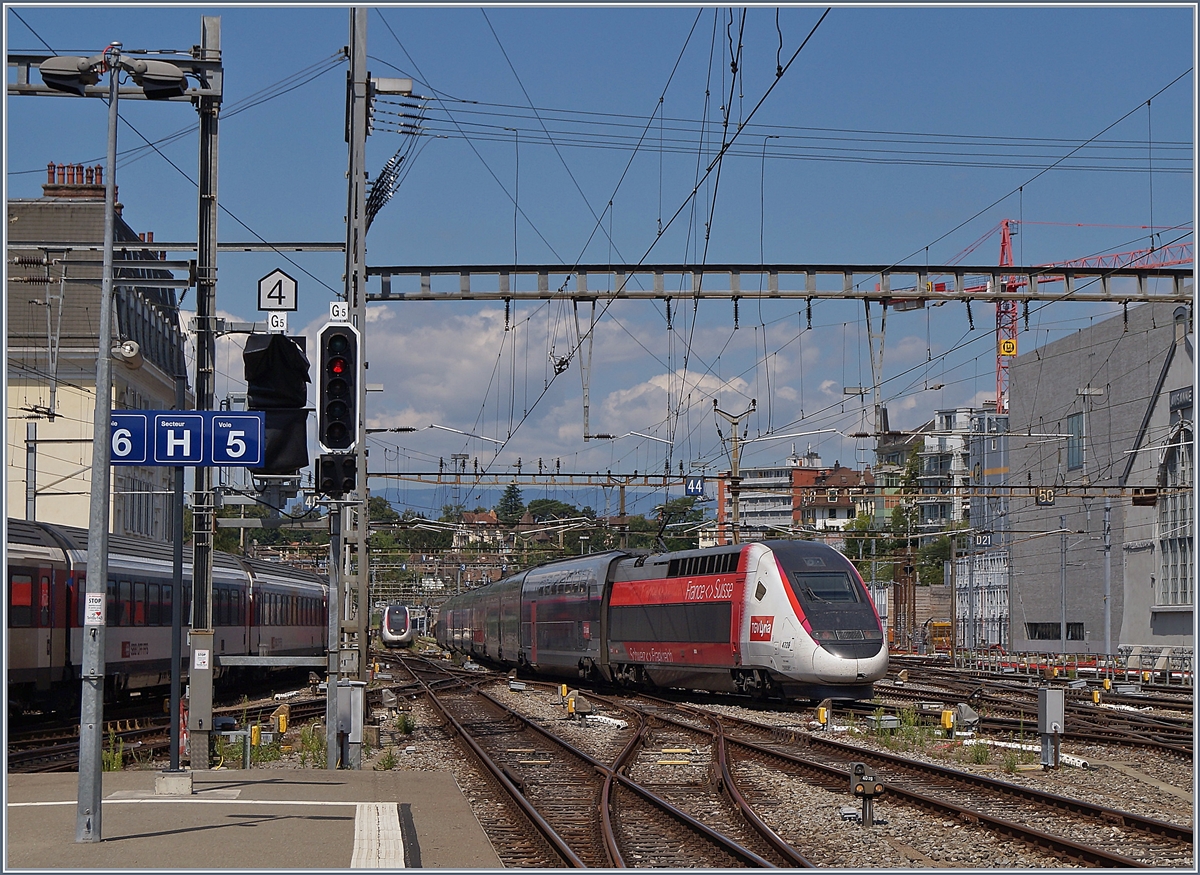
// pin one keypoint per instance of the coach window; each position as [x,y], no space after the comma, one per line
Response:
[113,606]
[168,592]
[20,600]
[153,615]
[124,604]
[139,603]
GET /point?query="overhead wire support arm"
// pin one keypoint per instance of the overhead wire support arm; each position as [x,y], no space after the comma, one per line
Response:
[895,284]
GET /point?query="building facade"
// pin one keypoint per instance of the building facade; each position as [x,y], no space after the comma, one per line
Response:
[801,496]
[1101,431]
[54,282]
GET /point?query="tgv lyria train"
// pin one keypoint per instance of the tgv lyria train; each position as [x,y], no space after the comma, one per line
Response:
[776,618]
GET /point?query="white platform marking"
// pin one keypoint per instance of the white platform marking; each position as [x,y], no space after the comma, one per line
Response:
[378,842]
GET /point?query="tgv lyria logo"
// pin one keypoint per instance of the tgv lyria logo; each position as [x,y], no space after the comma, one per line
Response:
[760,628]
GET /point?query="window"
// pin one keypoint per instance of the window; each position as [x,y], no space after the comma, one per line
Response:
[1075,440]
[20,600]
[167,604]
[125,604]
[1051,631]
[153,612]
[139,604]
[1175,520]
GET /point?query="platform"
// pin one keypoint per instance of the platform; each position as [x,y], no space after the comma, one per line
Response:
[256,819]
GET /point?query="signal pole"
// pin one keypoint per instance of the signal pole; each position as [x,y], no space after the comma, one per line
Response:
[354,527]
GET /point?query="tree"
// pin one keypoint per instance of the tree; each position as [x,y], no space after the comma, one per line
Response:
[510,509]
[380,510]
[542,509]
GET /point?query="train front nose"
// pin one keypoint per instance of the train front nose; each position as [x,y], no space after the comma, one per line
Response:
[829,667]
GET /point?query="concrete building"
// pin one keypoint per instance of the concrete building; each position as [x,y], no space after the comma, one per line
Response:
[944,467]
[981,576]
[1101,430]
[53,343]
[801,495]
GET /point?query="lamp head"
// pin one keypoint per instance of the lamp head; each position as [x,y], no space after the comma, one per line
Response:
[70,73]
[159,80]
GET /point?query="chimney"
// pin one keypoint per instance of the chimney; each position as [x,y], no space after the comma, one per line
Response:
[74,182]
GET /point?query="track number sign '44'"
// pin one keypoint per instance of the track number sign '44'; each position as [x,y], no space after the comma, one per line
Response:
[202,438]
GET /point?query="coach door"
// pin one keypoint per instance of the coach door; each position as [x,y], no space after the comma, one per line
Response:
[44,611]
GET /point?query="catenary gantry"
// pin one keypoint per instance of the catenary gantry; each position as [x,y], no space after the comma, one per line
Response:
[899,285]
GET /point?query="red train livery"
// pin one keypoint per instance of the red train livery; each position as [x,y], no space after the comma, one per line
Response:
[777,618]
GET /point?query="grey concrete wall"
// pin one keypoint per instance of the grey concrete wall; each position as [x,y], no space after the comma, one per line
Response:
[1124,360]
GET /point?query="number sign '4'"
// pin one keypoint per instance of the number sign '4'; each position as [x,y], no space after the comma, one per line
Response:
[277,291]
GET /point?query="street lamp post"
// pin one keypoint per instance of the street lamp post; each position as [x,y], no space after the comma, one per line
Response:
[155,80]
[91,714]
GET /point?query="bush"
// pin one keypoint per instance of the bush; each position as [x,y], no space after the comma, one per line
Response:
[388,761]
[405,724]
[980,754]
[113,759]
[312,745]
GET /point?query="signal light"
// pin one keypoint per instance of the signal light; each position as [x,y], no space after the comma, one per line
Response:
[337,474]
[337,406]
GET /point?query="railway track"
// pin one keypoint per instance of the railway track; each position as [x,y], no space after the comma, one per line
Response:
[1072,828]
[1014,710]
[560,785]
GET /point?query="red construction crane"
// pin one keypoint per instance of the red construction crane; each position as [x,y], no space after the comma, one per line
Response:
[1006,310]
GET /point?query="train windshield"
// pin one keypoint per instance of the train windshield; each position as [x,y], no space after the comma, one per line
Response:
[397,620]
[830,587]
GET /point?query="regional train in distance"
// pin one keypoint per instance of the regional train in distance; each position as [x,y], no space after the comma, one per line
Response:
[395,627]
[258,609]
[787,619]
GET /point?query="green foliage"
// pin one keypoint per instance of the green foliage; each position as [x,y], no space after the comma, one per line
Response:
[388,761]
[543,509]
[113,759]
[405,724]
[1009,763]
[230,540]
[381,511]
[510,508]
[312,745]
[679,514]
[980,754]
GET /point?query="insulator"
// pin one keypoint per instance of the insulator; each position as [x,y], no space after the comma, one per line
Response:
[30,260]
[31,280]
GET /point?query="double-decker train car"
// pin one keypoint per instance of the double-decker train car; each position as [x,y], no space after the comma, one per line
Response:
[775,618]
[258,609]
[396,627]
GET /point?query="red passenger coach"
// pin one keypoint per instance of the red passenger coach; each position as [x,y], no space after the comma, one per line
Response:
[679,626]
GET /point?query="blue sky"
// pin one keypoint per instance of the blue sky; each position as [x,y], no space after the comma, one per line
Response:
[888,129]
